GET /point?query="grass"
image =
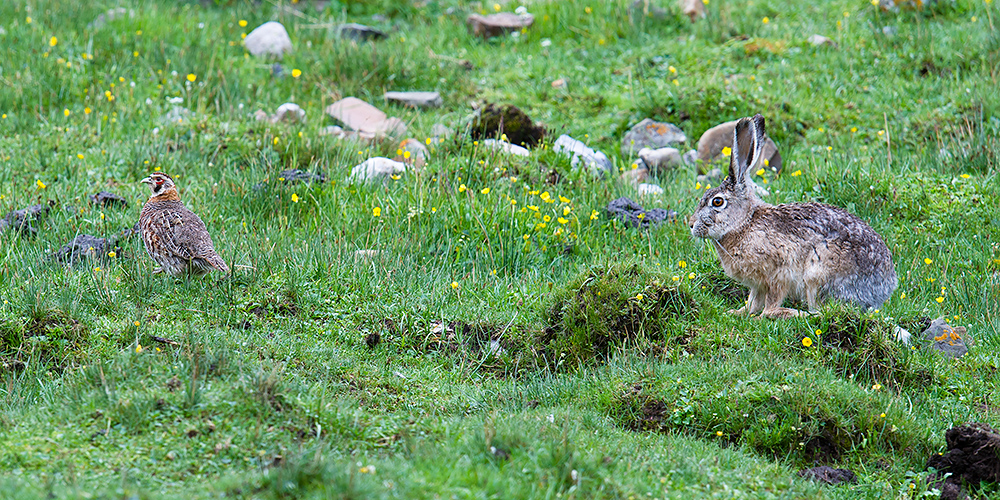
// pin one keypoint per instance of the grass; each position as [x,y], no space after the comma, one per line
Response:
[431,366]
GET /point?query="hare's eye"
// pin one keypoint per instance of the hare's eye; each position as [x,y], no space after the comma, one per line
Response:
[718,201]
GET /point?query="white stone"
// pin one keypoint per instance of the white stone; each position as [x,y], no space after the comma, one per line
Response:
[818,40]
[290,112]
[506,147]
[595,161]
[415,99]
[377,168]
[268,39]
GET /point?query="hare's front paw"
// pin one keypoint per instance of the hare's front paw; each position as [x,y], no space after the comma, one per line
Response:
[783,313]
[738,312]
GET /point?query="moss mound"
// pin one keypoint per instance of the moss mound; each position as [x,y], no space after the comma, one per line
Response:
[613,307]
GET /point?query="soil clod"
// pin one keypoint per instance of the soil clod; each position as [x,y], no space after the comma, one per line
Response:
[829,475]
[973,457]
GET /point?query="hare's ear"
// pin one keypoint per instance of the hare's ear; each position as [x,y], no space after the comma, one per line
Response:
[748,142]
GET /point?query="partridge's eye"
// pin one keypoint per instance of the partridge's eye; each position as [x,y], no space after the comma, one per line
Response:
[718,201]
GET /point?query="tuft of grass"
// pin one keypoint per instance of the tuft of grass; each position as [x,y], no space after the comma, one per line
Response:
[610,308]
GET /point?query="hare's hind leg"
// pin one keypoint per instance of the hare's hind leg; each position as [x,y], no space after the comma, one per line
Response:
[772,304]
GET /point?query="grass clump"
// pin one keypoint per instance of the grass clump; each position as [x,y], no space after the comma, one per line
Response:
[863,347]
[50,338]
[611,307]
[794,413]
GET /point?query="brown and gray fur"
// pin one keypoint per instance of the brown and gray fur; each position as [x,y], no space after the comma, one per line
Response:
[175,237]
[807,251]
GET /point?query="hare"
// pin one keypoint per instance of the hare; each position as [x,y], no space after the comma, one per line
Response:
[807,251]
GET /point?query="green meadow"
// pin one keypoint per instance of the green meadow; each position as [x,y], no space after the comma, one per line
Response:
[480,327]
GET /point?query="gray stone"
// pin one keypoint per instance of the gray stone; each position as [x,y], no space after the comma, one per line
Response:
[497,24]
[86,246]
[376,169]
[363,117]
[651,134]
[635,176]
[646,189]
[288,112]
[694,9]
[595,161]
[416,99]
[691,157]
[661,160]
[505,147]
[359,32]
[268,39]
[719,137]
[106,199]
[440,131]
[413,152]
[951,341]
[632,214]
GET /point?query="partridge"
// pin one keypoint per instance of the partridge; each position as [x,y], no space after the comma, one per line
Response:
[175,237]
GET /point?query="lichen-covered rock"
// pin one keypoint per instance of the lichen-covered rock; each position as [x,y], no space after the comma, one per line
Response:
[651,134]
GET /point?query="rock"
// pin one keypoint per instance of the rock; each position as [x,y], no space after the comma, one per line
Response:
[365,254]
[86,246]
[559,83]
[694,9]
[497,24]
[895,6]
[359,32]
[712,142]
[377,168]
[713,178]
[363,117]
[820,40]
[635,176]
[268,39]
[651,134]
[645,189]
[632,214]
[595,161]
[110,15]
[105,199]
[973,457]
[950,341]
[288,112]
[506,147]
[440,131]
[415,99]
[691,157]
[493,121]
[829,475]
[412,152]
[661,160]
[21,220]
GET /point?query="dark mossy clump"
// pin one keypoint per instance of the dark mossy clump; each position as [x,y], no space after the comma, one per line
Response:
[803,423]
[608,308]
[863,347]
[509,120]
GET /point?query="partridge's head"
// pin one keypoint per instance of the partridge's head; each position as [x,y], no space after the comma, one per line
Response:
[162,186]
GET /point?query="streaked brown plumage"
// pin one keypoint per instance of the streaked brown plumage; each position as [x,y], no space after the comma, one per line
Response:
[175,237]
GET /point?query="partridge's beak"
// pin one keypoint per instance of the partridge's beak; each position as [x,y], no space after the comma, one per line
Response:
[147,180]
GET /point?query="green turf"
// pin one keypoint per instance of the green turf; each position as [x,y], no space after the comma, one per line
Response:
[489,381]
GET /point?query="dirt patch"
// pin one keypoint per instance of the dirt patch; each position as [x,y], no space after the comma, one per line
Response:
[829,475]
[610,308]
[494,121]
[973,457]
